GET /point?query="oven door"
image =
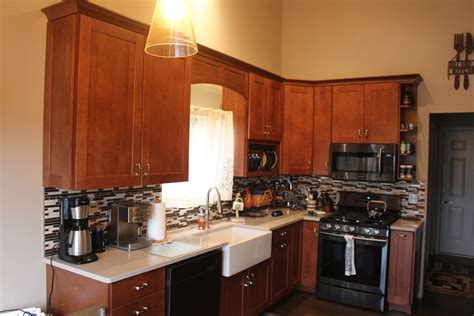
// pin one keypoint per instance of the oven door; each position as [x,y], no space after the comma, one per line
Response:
[370,262]
[366,162]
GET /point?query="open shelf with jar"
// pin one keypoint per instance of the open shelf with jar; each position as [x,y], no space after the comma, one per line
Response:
[408,129]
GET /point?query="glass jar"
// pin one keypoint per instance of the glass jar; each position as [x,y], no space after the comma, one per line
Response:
[403,147]
[403,171]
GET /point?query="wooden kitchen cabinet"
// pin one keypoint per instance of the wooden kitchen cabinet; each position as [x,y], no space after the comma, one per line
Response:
[246,293]
[309,258]
[322,129]
[401,270]
[294,273]
[264,109]
[125,297]
[298,130]
[104,103]
[366,113]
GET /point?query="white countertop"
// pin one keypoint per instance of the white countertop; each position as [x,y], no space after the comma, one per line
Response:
[115,264]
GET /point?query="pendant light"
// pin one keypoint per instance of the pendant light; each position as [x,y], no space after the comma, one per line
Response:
[171,31]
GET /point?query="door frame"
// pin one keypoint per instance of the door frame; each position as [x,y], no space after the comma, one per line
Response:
[438,122]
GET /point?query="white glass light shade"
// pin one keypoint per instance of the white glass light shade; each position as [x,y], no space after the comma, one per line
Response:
[171,31]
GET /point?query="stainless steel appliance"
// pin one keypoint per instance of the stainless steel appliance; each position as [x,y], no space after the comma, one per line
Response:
[367,288]
[364,162]
[127,229]
[74,235]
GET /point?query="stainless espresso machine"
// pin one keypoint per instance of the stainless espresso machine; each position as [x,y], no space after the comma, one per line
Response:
[128,221]
[74,235]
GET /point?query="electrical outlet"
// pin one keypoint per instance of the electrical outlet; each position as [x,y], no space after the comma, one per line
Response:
[413,198]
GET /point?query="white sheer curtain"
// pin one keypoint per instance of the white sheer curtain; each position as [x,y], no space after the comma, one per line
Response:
[211,159]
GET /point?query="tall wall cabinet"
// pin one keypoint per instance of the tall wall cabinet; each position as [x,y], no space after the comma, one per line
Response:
[104,104]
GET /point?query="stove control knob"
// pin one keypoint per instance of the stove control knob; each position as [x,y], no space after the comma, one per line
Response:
[337,227]
[328,226]
[352,228]
[367,231]
[376,232]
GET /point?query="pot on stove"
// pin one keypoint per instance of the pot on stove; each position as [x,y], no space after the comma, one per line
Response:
[376,209]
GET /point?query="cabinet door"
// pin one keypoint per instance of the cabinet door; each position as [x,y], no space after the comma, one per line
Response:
[295,256]
[273,110]
[232,294]
[257,128]
[166,120]
[258,293]
[280,264]
[297,130]
[347,113]
[309,258]
[109,105]
[401,267]
[381,113]
[322,129]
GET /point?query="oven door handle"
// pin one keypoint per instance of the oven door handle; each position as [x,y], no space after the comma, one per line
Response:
[357,238]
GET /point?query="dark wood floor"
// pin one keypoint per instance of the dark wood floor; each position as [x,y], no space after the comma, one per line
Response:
[433,304]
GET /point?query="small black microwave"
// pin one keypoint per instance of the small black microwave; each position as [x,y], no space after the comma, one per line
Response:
[364,162]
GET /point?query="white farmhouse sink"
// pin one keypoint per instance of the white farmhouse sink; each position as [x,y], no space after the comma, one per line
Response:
[246,246]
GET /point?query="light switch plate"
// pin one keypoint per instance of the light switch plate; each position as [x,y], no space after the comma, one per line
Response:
[413,198]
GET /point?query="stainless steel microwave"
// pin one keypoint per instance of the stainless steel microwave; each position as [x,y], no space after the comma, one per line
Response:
[364,162]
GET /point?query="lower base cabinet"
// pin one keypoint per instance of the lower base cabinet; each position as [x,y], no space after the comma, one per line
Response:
[246,293]
[309,258]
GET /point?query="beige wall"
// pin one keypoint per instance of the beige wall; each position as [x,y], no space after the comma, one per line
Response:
[328,39]
[23,39]
[246,29]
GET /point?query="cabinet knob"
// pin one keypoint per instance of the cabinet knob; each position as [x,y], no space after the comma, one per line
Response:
[283,234]
[243,282]
[309,165]
[316,232]
[140,286]
[326,165]
[142,310]
[366,133]
[269,129]
[252,279]
[138,169]
[401,235]
[283,245]
[359,132]
[147,169]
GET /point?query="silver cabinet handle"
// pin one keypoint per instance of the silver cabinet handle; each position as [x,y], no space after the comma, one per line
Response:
[142,310]
[140,286]
[326,165]
[283,245]
[243,283]
[448,202]
[252,279]
[401,235]
[309,165]
[316,232]
[147,170]
[283,234]
[269,129]
[366,133]
[359,132]
[138,169]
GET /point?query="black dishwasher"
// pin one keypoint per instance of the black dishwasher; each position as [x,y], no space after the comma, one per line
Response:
[193,286]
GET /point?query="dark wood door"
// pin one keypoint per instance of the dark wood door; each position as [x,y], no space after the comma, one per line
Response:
[298,130]
[273,110]
[295,256]
[166,93]
[347,113]
[257,124]
[309,258]
[109,105]
[381,113]
[280,265]
[232,295]
[401,267]
[258,292]
[322,129]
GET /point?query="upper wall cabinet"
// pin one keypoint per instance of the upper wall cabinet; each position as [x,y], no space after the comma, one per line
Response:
[112,117]
[365,113]
[265,110]
[298,130]
[322,129]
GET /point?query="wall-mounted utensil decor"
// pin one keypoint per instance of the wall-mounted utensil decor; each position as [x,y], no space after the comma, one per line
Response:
[458,67]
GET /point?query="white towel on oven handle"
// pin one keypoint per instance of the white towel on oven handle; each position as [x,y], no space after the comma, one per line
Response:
[350,268]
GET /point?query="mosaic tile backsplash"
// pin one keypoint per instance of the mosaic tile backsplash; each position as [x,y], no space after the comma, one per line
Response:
[102,199]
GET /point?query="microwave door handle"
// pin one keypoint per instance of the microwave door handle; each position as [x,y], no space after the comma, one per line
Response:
[380,161]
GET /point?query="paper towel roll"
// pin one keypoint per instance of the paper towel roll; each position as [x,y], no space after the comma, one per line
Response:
[157,223]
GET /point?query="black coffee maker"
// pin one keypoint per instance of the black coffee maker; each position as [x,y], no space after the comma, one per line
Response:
[75,243]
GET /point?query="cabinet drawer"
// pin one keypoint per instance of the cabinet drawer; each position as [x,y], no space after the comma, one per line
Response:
[153,304]
[128,290]
[281,235]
